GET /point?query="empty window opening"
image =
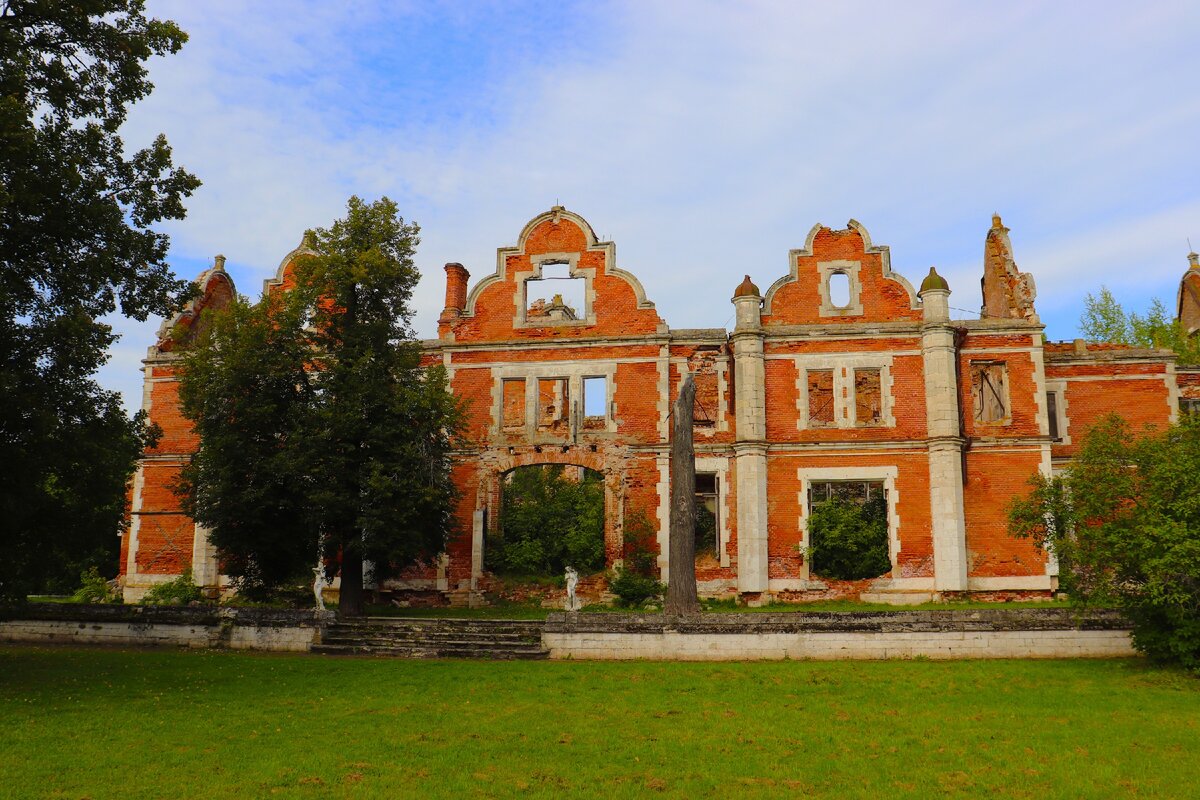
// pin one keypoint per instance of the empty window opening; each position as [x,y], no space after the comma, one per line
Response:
[1052,414]
[848,529]
[1189,405]
[868,397]
[514,403]
[707,516]
[839,290]
[820,398]
[553,405]
[595,403]
[989,389]
[556,296]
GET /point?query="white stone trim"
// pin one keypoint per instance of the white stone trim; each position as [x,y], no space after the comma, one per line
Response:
[887,474]
[1059,387]
[593,245]
[1172,393]
[664,515]
[843,366]
[664,392]
[794,256]
[825,272]
[521,295]
[1103,378]
[573,372]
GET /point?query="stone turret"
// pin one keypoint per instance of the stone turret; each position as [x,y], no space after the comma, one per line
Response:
[750,444]
[940,354]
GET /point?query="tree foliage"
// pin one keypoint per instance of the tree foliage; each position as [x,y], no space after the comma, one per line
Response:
[550,521]
[320,428]
[1124,523]
[76,244]
[849,540]
[1104,320]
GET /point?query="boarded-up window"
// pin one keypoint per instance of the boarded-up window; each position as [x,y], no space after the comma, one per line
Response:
[820,398]
[595,403]
[706,407]
[553,405]
[868,397]
[989,388]
[514,403]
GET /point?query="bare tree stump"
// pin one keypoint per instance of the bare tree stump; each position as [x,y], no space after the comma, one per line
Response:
[681,568]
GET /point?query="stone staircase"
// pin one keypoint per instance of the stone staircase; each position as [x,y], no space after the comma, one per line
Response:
[402,637]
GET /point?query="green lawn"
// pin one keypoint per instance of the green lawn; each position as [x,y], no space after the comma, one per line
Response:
[136,724]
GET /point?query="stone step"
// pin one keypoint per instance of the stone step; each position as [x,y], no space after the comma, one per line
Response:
[402,637]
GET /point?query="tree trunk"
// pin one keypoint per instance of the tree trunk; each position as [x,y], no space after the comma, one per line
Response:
[350,597]
[681,570]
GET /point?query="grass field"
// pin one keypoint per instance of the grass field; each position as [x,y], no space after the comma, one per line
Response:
[136,724]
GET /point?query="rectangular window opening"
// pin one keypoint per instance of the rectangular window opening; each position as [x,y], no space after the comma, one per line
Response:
[708,515]
[1189,405]
[706,407]
[553,404]
[820,398]
[556,296]
[1052,415]
[514,403]
[868,397]
[595,403]
[848,491]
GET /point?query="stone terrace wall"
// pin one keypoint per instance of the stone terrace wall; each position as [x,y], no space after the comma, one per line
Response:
[141,626]
[985,633]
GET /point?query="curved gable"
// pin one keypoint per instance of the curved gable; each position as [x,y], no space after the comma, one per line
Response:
[214,289]
[876,293]
[614,301]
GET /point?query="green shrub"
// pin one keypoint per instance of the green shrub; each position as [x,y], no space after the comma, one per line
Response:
[177,592]
[549,522]
[849,541]
[93,588]
[637,581]
[632,589]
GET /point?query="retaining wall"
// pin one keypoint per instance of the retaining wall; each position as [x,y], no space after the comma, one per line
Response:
[985,633]
[205,626]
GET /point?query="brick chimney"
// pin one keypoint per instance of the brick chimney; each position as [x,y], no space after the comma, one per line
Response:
[456,295]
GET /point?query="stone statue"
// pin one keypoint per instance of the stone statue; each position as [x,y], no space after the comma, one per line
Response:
[319,584]
[572,582]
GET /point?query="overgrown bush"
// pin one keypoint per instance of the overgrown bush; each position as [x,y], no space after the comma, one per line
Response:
[1124,522]
[178,592]
[637,581]
[549,521]
[94,588]
[848,540]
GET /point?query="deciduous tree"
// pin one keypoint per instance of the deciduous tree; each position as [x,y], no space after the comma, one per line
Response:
[1124,522]
[77,243]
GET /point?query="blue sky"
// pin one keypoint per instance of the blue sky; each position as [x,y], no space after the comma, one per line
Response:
[705,139]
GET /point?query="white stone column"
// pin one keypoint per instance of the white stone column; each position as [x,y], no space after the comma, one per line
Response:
[945,438]
[750,447]
[205,570]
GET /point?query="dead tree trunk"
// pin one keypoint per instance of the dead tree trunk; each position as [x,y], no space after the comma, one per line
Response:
[681,569]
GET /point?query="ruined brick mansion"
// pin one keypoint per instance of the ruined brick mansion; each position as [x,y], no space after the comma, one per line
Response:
[840,378]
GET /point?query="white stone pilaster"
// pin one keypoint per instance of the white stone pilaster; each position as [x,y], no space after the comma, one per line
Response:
[945,442]
[750,448]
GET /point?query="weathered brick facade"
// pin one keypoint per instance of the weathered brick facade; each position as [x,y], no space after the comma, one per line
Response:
[811,388]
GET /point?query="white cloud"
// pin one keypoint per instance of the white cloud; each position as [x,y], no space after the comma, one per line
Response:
[705,139]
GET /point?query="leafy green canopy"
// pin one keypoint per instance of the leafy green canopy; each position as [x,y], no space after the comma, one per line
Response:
[1124,523]
[320,429]
[550,521]
[849,540]
[1105,320]
[76,243]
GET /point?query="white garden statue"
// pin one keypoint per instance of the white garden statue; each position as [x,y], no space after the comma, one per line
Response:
[319,584]
[572,581]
